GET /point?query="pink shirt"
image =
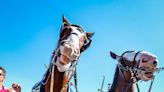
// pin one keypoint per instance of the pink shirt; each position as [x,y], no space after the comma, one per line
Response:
[4,89]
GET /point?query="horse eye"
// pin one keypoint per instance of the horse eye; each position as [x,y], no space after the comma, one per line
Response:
[84,40]
[144,61]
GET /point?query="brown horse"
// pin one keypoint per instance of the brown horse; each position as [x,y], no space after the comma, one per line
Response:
[133,66]
[73,41]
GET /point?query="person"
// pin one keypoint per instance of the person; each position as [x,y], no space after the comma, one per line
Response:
[15,86]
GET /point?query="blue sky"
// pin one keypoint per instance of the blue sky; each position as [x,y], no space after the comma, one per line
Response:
[29,31]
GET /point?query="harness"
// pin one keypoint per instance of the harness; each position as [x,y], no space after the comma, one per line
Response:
[52,69]
[133,70]
[72,69]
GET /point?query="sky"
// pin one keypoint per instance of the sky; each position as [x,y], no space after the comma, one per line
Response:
[29,31]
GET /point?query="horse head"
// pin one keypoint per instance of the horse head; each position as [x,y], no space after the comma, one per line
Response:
[144,64]
[73,41]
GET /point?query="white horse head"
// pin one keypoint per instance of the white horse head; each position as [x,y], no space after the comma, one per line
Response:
[73,40]
[142,60]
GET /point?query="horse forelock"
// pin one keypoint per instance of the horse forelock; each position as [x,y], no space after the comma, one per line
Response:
[131,56]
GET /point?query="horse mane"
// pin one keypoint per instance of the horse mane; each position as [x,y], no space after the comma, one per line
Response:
[114,79]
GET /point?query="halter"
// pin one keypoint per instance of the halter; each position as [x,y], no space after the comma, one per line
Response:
[73,40]
[133,70]
[73,62]
[72,68]
[51,71]
[80,29]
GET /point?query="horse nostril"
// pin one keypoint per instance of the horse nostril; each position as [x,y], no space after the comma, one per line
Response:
[155,62]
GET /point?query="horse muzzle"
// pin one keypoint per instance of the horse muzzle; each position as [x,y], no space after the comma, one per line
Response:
[68,53]
[146,74]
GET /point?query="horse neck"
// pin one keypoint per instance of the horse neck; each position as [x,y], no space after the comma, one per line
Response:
[60,81]
[120,84]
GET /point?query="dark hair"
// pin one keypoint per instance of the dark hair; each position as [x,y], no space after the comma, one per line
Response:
[4,71]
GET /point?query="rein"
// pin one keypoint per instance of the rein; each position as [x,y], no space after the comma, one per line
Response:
[72,69]
[73,74]
[52,79]
[52,68]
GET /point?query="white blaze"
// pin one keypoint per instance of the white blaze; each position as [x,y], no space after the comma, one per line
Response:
[70,49]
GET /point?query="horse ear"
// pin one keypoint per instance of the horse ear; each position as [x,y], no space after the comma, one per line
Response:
[65,21]
[89,34]
[113,55]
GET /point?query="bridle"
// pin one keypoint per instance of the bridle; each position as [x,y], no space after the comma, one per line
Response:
[72,69]
[52,68]
[51,72]
[72,72]
[134,71]
[87,42]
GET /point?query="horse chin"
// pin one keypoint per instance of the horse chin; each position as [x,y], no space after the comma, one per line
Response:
[148,73]
[148,76]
